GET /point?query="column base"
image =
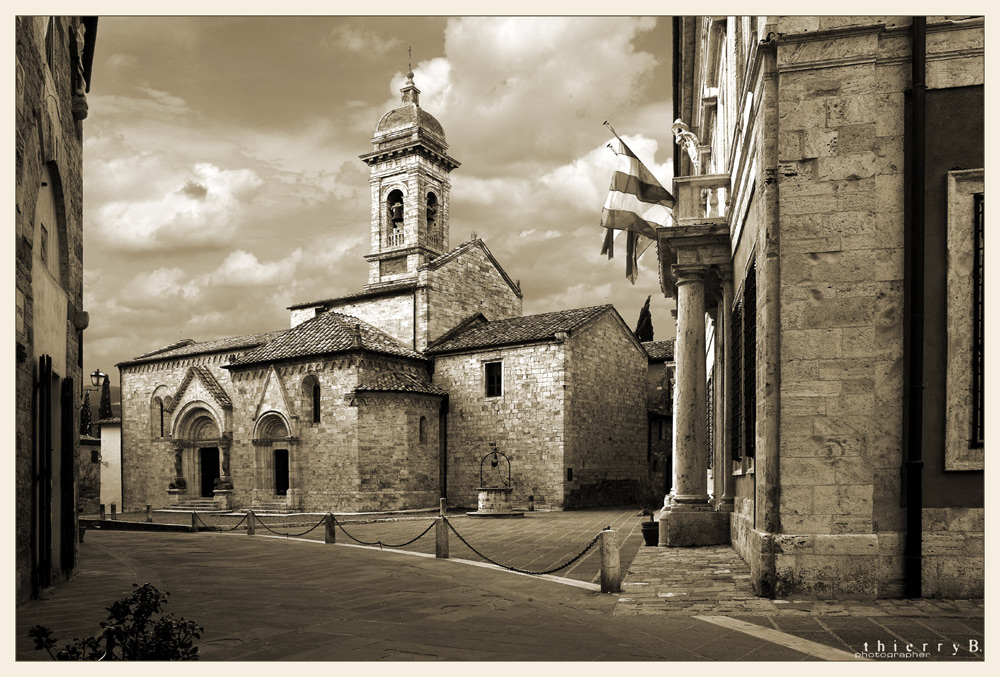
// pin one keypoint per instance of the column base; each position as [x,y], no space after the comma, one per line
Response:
[687,528]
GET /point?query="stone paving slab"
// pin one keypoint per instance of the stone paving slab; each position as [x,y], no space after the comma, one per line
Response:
[300,601]
[714,581]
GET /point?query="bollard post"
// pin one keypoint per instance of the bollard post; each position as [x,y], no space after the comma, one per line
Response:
[531,503]
[331,528]
[251,527]
[103,512]
[149,513]
[113,510]
[194,522]
[610,562]
[441,533]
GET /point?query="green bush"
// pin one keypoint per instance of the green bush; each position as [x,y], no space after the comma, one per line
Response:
[130,633]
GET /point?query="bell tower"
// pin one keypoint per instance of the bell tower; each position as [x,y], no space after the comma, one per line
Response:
[410,191]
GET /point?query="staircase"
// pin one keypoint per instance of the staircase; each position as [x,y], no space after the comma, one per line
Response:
[269,507]
[197,505]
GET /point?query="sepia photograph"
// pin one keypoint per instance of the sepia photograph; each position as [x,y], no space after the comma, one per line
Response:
[499,338]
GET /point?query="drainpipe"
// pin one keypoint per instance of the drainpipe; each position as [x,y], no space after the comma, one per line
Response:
[913,314]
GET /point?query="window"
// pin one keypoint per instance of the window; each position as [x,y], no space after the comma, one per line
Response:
[494,379]
[315,402]
[423,429]
[978,325]
[95,455]
[743,362]
[43,245]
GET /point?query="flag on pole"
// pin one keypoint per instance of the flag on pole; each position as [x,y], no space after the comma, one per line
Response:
[636,204]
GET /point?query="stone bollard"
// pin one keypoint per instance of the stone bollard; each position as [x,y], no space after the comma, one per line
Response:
[610,562]
[149,513]
[194,522]
[103,512]
[331,528]
[113,511]
[441,533]
[531,503]
[251,527]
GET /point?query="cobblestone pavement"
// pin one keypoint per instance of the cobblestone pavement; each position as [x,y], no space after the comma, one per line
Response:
[715,582]
[268,598]
[272,599]
[539,541]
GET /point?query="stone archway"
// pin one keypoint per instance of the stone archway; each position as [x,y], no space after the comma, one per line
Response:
[273,460]
[201,452]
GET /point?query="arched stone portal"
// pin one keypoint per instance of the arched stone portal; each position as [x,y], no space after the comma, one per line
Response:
[201,454]
[273,460]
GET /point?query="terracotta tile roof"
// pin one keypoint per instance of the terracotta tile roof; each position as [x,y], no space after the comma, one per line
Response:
[187,347]
[326,333]
[659,351]
[387,290]
[517,330]
[392,381]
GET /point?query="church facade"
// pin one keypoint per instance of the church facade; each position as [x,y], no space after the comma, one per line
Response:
[389,398]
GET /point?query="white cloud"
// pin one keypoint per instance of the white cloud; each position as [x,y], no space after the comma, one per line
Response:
[242,269]
[158,289]
[182,219]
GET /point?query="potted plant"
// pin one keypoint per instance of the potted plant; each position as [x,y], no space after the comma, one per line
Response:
[650,501]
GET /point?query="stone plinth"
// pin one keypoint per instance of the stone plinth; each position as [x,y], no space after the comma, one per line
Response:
[684,528]
[176,495]
[495,502]
[223,498]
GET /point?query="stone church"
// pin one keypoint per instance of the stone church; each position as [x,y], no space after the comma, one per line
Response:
[389,398]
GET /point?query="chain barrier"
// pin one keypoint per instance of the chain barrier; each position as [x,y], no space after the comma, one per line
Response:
[217,528]
[524,571]
[321,519]
[380,544]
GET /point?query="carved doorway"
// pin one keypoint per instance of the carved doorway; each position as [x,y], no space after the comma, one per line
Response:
[209,457]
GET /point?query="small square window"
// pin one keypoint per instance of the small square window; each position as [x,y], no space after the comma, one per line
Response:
[95,455]
[494,379]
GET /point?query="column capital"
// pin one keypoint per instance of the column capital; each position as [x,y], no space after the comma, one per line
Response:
[685,273]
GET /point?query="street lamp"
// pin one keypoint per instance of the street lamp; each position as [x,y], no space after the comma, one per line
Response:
[97,378]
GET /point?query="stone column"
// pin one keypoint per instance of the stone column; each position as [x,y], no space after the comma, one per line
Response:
[690,423]
[724,490]
[690,520]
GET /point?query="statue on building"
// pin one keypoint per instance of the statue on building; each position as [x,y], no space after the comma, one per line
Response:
[686,139]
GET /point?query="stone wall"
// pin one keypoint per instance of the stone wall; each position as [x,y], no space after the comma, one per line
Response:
[527,423]
[47,134]
[605,388]
[466,285]
[398,469]
[391,314]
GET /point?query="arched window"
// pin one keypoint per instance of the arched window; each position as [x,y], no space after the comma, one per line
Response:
[156,417]
[311,398]
[423,429]
[394,218]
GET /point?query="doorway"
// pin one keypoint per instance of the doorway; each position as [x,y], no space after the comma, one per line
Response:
[280,472]
[209,457]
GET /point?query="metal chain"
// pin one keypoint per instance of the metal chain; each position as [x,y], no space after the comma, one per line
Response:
[321,519]
[380,543]
[215,528]
[524,571]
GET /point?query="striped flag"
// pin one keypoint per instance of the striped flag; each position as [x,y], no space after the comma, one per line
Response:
[636,204]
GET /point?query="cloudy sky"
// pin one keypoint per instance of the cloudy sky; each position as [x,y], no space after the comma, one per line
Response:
[222,179]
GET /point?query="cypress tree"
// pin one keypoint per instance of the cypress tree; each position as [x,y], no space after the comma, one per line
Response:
[644,327]
[86,425]
[105,411]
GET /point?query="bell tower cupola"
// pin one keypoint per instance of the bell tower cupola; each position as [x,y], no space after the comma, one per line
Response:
[410,190]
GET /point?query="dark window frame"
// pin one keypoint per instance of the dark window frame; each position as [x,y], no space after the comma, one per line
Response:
[493,375]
